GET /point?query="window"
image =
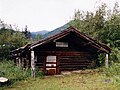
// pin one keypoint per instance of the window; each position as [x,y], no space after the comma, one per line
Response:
[51,59]
[61,44]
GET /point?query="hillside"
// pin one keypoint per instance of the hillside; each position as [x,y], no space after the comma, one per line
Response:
[46,33]
[33,34]
[57,30]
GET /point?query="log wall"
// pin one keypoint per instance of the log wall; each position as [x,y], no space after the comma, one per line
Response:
[66,61]
[74,61]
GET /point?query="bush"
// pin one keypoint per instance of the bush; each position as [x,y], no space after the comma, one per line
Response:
[15,73]
[39,73]
[113,70]
[114,57]
[12,72]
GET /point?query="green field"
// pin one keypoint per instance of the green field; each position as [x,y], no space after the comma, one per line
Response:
[90,79]
[80,81]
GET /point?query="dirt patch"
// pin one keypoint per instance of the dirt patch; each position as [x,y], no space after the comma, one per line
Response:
[66,72]
[85,71]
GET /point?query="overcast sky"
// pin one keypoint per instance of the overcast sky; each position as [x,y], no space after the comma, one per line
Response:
[44,14]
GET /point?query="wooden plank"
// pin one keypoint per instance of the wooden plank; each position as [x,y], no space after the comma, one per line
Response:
[58,63]
[106,61]
[39,64]
[32,64]
[50,62]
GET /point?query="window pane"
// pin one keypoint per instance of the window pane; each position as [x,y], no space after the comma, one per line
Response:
[51,59]
[61,44]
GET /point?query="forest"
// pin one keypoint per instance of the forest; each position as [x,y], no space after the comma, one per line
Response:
[103,25]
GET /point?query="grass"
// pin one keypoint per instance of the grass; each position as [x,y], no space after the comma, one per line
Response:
[86,81]
[92,79]
[12,72]
[113,70]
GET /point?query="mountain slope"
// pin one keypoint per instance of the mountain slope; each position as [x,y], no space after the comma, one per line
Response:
[33,34]
[40,32]
[56,31]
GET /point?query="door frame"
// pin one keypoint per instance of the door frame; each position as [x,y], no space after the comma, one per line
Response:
[49,64]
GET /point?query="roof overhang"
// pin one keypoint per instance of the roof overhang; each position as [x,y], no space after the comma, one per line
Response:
[92,42]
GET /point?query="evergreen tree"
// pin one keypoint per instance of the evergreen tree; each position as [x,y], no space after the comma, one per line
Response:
[103,25]
[27,33]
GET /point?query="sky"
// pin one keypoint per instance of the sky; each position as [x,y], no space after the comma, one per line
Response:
[45,14]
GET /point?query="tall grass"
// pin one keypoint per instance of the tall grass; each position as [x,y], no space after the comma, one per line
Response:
[12,72]
[113,71]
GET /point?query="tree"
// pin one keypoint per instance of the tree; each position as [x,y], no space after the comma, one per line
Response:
[27,33]
[103,25]
[10,40]
[38,37]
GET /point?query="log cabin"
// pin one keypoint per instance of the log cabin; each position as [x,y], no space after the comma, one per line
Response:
[68,50]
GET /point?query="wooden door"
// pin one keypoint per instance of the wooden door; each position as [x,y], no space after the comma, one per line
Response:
[51,65]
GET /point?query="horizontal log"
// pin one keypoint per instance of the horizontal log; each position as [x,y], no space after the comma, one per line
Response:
[74,63]
[70,69]
[62,53]
[70,66]
[74,57]
[50,66]
[39,64]
[51,62]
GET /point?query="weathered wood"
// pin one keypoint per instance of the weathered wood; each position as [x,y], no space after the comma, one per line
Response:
[50,62]
[22,62]
[79,51]
[106,60]
[58,63]
[27,63]
[74,61]
[77,60]
[32,64]
[19,62]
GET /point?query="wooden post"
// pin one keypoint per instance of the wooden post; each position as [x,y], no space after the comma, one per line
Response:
[32,64]
[58,62]
[19,61]
[22,62]
[106,60]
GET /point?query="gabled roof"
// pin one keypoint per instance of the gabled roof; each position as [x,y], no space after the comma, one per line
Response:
[100,46]
[92,42]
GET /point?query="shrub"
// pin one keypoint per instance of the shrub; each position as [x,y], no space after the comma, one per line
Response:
[113,71]
[39,73]
[15,73]
[12,72]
